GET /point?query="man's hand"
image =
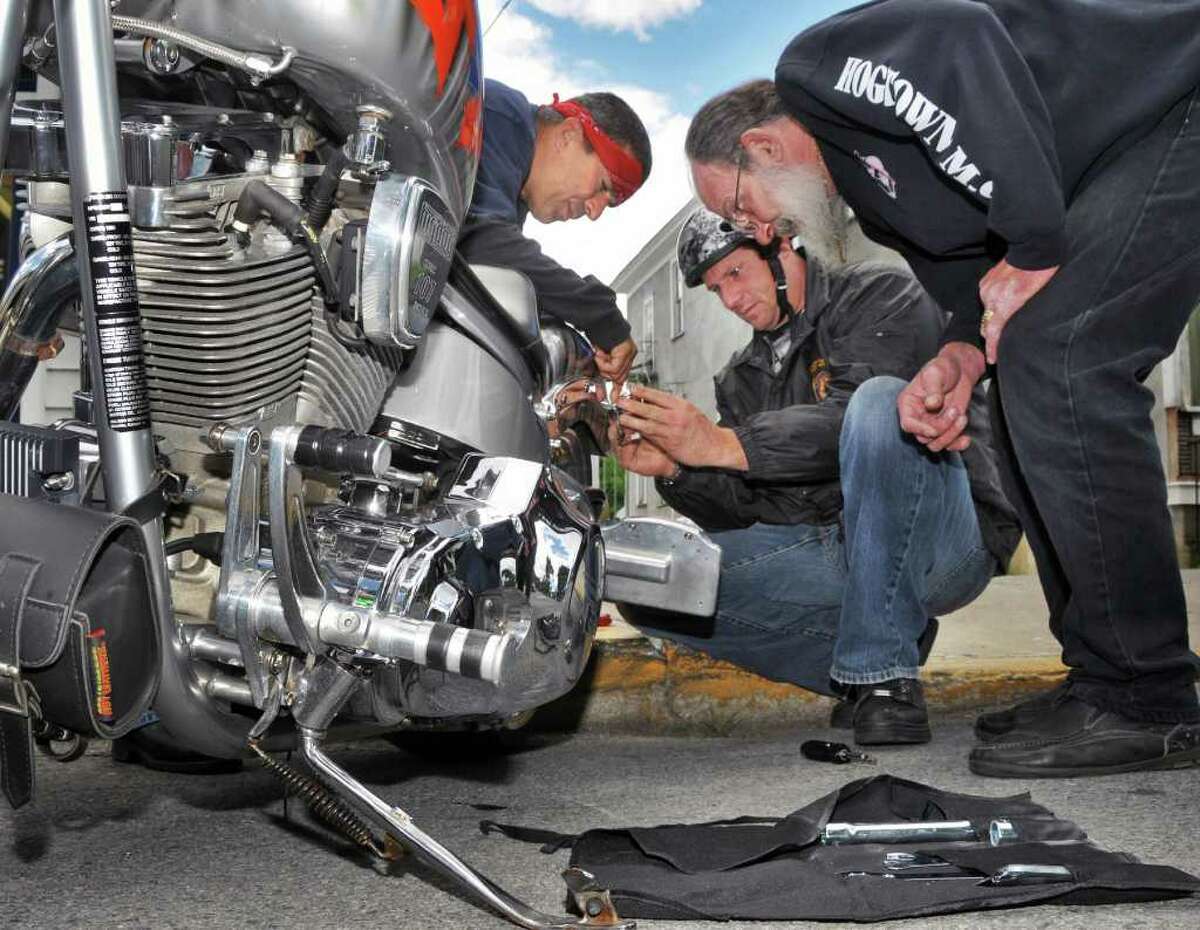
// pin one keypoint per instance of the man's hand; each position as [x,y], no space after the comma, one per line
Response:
[614,364]
[934,405]
[681,430]
[1004,290]
[641,456]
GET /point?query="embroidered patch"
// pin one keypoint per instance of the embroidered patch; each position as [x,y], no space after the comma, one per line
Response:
[101,675]
[883,177]
[819,372]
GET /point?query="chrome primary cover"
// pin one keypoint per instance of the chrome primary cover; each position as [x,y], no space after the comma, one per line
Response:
[511,552]
[420,61]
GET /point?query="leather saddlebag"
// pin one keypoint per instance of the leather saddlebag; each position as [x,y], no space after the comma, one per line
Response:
[79,645]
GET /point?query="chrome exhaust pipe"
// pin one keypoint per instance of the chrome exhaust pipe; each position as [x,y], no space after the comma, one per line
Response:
[43,286]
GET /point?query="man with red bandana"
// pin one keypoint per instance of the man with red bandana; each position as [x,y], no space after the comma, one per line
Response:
[558,162]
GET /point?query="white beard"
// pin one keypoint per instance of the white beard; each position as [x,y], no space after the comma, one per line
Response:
[808,211]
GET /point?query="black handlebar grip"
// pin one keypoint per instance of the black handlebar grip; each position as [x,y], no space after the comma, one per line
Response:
[342,451]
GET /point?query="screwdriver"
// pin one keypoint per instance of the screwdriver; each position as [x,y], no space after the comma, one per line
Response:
[838,753]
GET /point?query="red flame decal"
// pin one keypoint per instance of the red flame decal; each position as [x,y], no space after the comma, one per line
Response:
[470,135]
[446,20]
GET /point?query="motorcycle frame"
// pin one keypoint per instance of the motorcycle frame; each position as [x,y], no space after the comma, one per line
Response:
[91,108]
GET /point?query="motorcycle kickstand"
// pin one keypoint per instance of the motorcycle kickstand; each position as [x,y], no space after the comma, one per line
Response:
[594,902]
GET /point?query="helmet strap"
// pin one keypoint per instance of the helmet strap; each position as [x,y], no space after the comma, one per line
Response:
[771,254]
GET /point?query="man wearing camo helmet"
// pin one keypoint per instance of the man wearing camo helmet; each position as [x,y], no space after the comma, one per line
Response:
[840,535]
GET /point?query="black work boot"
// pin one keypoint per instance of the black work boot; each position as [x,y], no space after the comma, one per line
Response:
[1073,738]
[998,723]
[891,712]
[841,717]
[153,747]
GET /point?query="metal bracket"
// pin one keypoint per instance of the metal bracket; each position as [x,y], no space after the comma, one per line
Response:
[295,567]
[594,903]
[663,564]
[18,706]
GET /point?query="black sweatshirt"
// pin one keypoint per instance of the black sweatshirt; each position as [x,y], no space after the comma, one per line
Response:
[491,233]
[960,131]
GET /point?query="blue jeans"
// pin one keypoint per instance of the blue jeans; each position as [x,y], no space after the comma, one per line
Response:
[806,604]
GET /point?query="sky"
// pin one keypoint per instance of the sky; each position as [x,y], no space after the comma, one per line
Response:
[665,58]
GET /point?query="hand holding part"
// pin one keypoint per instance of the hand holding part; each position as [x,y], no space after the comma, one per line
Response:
[638,455]
[616,363]
[838,753]
[933,407]
[681,430]
[1004,290]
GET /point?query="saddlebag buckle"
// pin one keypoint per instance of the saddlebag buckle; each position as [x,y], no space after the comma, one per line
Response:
[14,693]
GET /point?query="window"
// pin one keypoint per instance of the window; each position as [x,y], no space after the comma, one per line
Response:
[677,288]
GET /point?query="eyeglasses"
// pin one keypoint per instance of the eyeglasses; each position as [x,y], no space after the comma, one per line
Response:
[739,217]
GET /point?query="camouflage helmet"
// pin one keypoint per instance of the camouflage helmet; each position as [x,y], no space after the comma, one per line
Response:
[704,240]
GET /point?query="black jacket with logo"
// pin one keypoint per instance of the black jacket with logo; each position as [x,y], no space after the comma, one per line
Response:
[861,321]
[960,130]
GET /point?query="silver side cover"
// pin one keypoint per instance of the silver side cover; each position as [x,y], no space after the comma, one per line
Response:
[663,564]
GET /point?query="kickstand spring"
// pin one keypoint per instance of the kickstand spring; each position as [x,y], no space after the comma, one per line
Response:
[327,807]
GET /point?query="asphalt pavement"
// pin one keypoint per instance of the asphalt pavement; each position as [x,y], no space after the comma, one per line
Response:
[107,845]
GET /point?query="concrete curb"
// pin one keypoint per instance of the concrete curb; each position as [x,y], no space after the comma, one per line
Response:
[632,688]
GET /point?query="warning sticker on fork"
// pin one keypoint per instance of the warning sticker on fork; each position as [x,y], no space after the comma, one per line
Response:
[118,323]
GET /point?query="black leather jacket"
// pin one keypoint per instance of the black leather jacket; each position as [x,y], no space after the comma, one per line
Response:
[861,320]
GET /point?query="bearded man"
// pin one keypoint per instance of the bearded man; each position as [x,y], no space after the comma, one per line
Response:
[1040,180]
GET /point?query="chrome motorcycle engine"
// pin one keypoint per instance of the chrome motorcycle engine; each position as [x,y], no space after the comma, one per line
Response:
[231,334]
[465,587]
[475,598]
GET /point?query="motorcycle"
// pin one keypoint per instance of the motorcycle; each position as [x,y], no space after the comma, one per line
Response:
[320,482]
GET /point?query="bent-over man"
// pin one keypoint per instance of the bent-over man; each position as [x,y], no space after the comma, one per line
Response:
[556,162]
[1041,183]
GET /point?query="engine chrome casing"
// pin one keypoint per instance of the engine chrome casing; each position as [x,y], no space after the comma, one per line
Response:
[511,550]
[481,604]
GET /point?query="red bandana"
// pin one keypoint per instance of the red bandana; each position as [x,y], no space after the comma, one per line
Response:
[624,170]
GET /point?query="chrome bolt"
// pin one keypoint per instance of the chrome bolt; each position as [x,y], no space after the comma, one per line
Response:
[63,481]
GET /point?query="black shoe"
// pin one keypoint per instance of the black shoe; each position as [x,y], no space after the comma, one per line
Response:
[990,727]
[891,712]
[153,747]
[842,715]
[1074,738]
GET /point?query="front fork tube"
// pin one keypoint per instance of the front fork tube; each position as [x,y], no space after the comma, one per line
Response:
[12,34]
[112,326]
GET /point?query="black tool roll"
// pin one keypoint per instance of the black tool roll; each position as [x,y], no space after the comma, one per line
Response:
[755,868]
[79,646]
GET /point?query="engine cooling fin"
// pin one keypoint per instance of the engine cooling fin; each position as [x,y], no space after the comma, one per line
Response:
[232,337]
